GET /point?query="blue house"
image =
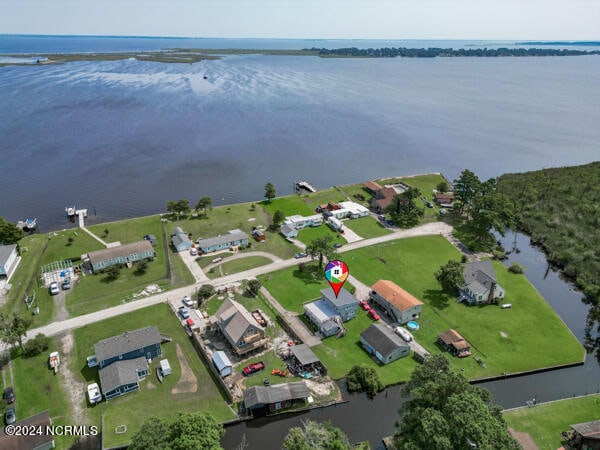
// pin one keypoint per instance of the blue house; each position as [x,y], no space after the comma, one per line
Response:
[121,254]
[234,238]
[180,240]
[330,311]
[123,360]
[288,231]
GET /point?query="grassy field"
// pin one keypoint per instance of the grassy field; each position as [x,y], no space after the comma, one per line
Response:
[38,389]
[239,265]
[306,235]
[545,422]
[198,394]
[411,263]
[339,355]
[292,288]
[59,248]
[366,227]
[290,205]
[271,362]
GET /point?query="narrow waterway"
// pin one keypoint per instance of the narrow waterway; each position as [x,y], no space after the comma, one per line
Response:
[363,419]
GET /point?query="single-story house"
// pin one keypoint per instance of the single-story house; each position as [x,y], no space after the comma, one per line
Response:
[8,259]
[348,209]
[31,440]
[288,231]
[262,400]
[122,377]
[298,222]
[383,198]
[121,254]
[372,187]
[144,342]
[123,360]
[454,343]
[445,200]
[151,238]
[303,359]
[259,235]
[480,285]
[382,342]
[335,224]
[330,311]
[239,327]
[233,239]
[180,240]
[222,363]
[400,305]
[584,436]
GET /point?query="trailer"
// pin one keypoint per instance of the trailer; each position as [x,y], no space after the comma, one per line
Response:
[94,394]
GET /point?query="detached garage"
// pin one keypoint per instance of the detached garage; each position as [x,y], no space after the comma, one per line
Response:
[222,363]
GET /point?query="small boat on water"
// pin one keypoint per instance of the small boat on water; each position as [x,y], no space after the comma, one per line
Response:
[27,224]
[304,185]
[70,210]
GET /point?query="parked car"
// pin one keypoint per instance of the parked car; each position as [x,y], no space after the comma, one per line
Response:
[299,255]
[9,395]
[184,313]
[404,334]
[193,251]
[187,301]
[337,245]
[66,284]
[253,368]
[266,382]
[10,416]
[54,288]
[364,305]
[373,314]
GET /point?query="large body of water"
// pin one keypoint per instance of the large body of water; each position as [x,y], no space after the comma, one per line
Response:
[124,137]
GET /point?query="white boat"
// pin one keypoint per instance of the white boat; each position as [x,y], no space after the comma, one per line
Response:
[404,334]
[94,394]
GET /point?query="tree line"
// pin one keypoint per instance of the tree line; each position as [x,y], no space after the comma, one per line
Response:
[432,52]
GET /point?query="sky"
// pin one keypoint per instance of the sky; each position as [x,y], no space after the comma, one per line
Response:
[326,19]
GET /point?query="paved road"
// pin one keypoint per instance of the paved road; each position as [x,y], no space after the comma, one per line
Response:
[271,256]
[59,327]
[193,266]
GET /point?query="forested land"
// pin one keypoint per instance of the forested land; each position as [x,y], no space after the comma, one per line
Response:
[433,52]
[560,209]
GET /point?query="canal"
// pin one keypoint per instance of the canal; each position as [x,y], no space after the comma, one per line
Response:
[364,419]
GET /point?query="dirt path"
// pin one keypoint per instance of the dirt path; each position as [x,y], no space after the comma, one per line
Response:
[243,255]
[75,389]
[187,381]
[524,439]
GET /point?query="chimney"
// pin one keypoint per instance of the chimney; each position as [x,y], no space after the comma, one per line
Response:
[492,289]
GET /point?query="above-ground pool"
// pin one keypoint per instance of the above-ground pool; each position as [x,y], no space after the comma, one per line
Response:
[412,325]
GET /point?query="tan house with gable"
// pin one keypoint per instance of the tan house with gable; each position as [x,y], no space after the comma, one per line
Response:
[400,305]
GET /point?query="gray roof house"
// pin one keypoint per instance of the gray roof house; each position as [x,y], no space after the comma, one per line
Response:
[121,254]
[8,259]
[330,311]
[480,285]
[180,240]
[234,238]
[288,231]
[239,327]
[123,359]
[380,341]
[267,399]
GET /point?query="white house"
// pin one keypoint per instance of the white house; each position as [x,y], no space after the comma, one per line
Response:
[8,259]
[335,224]
[348,209]
[298,222]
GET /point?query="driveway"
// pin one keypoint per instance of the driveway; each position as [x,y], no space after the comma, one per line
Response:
[350,235]
[193,266]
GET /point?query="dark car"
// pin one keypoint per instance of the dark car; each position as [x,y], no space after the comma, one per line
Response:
[9,395]
[337,245]
[10,416]
[253,368]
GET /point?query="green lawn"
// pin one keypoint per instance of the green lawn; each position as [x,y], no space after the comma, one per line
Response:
[355,192]
[239,265]
[411,263]
[153,398]
[339,355]
[271,362]
[59,248]
[306,235]
[38,389]
[290,205]
[545,422]
[128,231]
[291,287]
[366,227]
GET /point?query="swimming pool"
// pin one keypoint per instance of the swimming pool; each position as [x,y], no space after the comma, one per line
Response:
[412,325]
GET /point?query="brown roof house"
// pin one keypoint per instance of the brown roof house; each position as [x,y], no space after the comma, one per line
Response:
[383,198]
[445,200]
[32,440]
[454,343]
[121,254]
[372,187]
[400,305]
[584,436]
[239,327]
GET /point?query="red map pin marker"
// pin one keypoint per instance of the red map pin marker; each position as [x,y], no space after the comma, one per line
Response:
[336,273]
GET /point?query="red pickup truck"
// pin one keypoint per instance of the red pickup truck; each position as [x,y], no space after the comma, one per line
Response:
[253,368]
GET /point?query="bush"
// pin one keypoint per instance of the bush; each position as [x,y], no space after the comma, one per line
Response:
[37,345]
[516,268]
[361,378]
[206,291]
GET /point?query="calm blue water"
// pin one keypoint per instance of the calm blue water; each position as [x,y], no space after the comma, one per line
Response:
[124,137]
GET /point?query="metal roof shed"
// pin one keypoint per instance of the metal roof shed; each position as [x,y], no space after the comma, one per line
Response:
[165,367]
[222,363]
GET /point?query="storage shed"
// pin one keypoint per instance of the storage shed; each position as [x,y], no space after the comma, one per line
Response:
[165,367]
[222,363]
